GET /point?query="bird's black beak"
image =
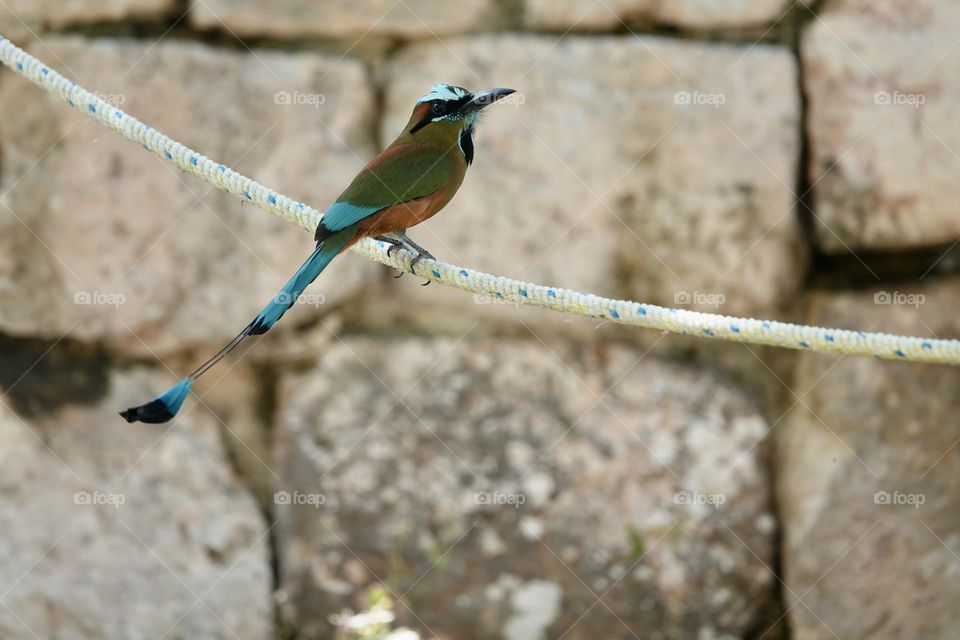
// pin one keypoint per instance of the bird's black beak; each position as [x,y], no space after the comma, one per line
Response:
[483,99]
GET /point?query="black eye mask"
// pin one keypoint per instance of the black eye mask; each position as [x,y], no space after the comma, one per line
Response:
[440,108]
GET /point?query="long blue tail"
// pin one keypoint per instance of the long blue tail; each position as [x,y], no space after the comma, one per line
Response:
[167,404]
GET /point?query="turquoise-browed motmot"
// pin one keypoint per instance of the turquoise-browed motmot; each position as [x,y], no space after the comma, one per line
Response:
[410,181]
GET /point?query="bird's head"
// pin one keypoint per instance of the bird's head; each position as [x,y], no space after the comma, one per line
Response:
[446,103]
[448,114]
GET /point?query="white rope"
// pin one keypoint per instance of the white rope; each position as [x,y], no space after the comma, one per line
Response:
[746,330]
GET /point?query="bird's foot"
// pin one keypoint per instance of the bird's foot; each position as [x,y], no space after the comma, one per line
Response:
[395,245]
[403,241]
[420,251]
[421,254]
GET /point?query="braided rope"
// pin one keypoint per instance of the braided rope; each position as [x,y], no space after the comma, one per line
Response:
[721,327]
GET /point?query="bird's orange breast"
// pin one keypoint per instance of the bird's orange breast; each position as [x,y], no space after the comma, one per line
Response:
[404,215]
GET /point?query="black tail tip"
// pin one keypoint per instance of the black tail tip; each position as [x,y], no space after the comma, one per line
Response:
[153,412]
[163,407]
[258,327]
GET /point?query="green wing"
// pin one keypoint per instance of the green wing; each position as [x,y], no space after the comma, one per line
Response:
[399,174]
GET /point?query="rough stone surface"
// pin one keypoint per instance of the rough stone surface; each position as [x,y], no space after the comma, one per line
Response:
[487,486]
[869,480]
[25,18]
[883,96]
[109,531]
[101,241]
[334,18]
[623,179]
[237,399]
[587,15]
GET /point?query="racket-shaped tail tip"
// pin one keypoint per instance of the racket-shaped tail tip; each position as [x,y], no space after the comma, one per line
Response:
[163,407]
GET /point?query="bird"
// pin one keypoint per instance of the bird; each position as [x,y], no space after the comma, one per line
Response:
[408,182]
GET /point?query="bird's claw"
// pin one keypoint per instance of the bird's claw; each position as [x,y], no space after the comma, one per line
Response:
[395,245]
[421,254]
[391,249]
[404,242]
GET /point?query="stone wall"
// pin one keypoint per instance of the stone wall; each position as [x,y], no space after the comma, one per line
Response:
[458,467]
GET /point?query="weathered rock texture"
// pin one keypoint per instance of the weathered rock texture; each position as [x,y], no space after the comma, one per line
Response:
[657,169]
[521,488]
[505,487]
[109,531]
[883,97]
[869,486]
[21,19]
[338,19]
[587,15]
[99,240]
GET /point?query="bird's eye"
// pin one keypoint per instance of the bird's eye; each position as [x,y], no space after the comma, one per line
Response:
[438,108]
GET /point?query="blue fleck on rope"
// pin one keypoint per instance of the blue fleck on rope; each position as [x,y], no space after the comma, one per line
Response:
[746,330]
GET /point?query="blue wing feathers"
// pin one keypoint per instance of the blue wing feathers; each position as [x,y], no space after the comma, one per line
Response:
[341,215]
